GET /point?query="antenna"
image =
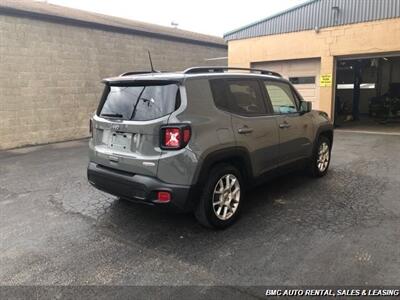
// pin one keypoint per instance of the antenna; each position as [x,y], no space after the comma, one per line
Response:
[151,63]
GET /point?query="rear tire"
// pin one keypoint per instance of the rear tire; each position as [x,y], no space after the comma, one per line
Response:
[319,163]
[220,203]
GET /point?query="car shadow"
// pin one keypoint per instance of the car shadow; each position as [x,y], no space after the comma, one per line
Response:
[160,229]
[283,218]
[334,202]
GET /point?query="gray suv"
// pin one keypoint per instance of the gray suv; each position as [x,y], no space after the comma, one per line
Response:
[196,140]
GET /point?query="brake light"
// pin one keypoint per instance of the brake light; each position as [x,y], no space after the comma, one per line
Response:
[175,137]
[186,135]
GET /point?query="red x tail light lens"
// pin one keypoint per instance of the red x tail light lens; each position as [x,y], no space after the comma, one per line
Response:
[172,137]
[175,137]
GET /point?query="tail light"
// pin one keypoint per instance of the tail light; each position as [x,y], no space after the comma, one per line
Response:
[91,127]
[175,137]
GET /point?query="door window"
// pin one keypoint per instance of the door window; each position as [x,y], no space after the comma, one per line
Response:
[246,97]
[218,89]
[281,96]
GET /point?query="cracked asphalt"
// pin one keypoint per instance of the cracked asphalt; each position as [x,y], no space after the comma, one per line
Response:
[343,229]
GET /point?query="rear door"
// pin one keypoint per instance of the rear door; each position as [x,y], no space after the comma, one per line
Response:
[254,129]
[295,129]
[127,124]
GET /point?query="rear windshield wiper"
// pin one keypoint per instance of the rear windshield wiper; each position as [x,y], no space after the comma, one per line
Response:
[137,102]
[112,115]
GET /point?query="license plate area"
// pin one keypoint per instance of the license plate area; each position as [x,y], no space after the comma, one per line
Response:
[120,141]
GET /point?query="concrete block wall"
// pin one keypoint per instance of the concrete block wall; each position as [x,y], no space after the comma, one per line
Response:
[50,74]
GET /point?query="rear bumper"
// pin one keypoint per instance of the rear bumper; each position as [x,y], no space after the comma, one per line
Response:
[139,188]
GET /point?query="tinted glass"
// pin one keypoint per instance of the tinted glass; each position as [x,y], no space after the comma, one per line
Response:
[140,103]
[218,89]
[246,97]
[281,96]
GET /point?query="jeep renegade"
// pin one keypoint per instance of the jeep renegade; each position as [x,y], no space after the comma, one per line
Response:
[196,140]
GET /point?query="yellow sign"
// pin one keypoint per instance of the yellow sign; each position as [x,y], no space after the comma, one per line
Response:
[326,80]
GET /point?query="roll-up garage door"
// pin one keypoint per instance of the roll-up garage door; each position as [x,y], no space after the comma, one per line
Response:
[303,73]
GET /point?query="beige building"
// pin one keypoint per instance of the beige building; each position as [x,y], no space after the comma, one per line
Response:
[53,58]
[325,47]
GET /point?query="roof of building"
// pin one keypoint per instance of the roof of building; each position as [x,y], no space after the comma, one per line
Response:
[58,14]
[319,14]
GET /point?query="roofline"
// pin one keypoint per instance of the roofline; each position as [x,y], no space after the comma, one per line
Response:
[180,77]
[15,12]
[270,17]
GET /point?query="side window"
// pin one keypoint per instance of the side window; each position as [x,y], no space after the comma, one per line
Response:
[218,89]
[245,97]
[281,96]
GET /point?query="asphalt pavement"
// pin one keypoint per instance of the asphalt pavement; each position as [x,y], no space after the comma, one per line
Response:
[343,229]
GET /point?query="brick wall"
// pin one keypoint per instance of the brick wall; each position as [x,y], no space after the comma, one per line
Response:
[50,74]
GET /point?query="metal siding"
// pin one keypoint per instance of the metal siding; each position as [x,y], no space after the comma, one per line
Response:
[319,13]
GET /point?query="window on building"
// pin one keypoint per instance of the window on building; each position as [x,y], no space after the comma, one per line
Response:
[350,86]
[302,80]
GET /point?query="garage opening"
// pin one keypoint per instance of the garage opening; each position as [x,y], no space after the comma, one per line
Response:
[303,73]
[368,94]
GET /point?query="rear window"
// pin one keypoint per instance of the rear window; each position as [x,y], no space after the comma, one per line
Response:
[140,102]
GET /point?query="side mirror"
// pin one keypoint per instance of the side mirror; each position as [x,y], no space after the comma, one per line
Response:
[305,107]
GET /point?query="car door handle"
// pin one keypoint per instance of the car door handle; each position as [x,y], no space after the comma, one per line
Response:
[245,130]
[284,125]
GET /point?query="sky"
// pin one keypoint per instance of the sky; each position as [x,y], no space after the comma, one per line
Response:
[214,17]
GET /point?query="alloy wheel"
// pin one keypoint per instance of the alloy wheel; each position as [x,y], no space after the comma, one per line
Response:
[226,197]
[323,157]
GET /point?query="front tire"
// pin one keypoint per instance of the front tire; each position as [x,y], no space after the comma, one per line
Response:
[319,163]
[220,203]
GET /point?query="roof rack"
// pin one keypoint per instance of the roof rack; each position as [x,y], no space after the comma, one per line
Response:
[137,73]
[197,70]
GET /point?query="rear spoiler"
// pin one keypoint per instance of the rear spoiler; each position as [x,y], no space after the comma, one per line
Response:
[118,81]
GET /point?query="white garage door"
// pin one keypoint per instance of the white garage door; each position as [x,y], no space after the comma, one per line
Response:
[303,73]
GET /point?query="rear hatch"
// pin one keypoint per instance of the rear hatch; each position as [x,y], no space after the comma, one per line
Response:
[126,127]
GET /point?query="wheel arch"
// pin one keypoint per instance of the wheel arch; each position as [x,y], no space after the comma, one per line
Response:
[236,156]
[326,131]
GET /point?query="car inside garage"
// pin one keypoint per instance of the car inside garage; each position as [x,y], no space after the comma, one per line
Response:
[367,95]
